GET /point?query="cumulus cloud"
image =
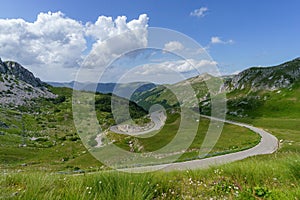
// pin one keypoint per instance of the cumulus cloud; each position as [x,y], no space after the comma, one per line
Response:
[52,38]
[118,38]
[179,66]
[218,40]
[173,46]
[201,12]
[57,43]
[171,71]
[55,46]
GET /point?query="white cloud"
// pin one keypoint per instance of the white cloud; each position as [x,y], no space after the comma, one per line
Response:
[117,38]
[173,46]
[199,12]
[218,40]
[51,39]
[236,72]
[171,71]
[55,44]
[179,66]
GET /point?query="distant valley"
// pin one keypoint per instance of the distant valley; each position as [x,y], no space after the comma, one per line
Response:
[122,89]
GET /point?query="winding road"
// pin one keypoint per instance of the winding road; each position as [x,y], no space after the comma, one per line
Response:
[157,118]
[267,145]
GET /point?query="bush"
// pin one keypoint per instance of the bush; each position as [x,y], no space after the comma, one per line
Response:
[59,99]
[261,192]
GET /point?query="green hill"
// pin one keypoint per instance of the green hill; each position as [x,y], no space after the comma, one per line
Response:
[40,138]
[257,91]
[41,134]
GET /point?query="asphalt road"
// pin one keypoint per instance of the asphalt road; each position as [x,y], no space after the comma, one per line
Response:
[158,119]
[267,145]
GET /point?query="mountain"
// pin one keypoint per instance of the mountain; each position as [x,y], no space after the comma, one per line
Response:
[265,91]
[265,78]
[121,89]
[39,144]
[165,94]
[62,84]
[18,85]
[37,129]
[246,91]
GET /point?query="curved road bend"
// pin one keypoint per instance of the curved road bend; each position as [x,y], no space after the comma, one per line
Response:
[157,118]
[267,145]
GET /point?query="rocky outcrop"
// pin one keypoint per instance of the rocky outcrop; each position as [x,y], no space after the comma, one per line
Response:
[18,86]
[265,78]
[20,73]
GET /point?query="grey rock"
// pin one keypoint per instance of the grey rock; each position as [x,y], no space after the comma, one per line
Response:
[3,125]
[18,85]
[265,78]
[20,73]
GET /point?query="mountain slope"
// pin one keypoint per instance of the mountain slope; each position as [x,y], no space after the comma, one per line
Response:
[265,78]
[18,85]
[42,135]
[244,91]
[121,89]
[269,91]
[165,94]
[49,132]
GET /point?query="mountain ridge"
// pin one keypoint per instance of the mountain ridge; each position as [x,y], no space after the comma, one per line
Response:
[275,77]
[265,78]
[18,86]
[106,88]
[17,70]
[247,84]
[250,80]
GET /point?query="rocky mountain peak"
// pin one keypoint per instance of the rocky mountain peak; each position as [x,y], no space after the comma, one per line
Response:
[297,59]
[18,85]
[265,78]
[19,72]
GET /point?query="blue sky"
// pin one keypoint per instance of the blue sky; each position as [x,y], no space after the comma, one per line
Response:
[246,33]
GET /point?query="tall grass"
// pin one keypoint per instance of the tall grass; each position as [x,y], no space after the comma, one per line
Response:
[264,177]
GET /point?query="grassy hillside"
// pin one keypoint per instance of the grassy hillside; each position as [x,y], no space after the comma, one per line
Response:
[276,111]
[43,136]
[273,176]
[278,103]
[263,177]
[166,94]
[233,138]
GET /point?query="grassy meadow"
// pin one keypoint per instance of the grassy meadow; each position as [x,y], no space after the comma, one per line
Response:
[275,176]
[264,177]
[43,137]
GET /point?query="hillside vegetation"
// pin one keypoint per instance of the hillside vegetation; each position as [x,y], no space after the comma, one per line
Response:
[269,103]
[42,135]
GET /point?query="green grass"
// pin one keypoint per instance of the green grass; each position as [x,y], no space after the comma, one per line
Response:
[279,115]
[273,176]
[233,138]
[263,177]
[283,103]
[49,121]
[58,146]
